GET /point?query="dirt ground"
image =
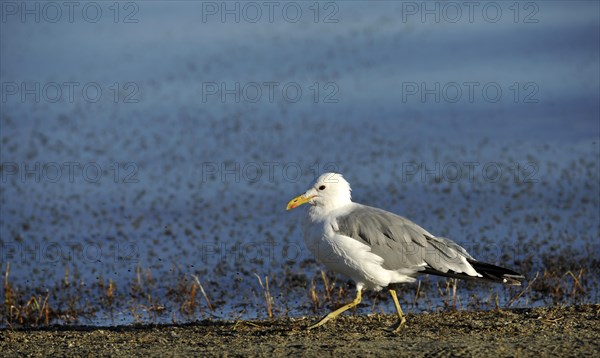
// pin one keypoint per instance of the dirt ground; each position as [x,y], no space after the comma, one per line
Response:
[553,331]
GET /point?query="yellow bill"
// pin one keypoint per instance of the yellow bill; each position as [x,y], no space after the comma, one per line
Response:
[297,201]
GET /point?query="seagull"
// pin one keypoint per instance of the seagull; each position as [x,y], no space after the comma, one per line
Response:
[379,249]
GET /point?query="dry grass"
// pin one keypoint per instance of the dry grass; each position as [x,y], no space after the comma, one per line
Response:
[142,296]
[326,291]
[149,299]
[447,292]
[62,303]
[19,312]
[267,292]
[210,306]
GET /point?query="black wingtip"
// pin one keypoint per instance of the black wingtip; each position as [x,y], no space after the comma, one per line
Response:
[497,274]
[513,280]
[488,272]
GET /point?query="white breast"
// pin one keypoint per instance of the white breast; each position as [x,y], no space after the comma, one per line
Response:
[344,255]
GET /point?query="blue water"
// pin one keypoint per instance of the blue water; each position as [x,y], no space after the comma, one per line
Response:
[166,137]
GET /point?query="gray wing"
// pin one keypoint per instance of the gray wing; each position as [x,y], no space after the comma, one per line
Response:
[401,243]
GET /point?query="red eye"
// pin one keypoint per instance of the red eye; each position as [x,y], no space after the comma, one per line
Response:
[322,187]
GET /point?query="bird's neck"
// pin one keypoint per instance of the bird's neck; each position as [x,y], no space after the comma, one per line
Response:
[321,211]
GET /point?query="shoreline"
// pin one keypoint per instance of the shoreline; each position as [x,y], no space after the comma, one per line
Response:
[570,330]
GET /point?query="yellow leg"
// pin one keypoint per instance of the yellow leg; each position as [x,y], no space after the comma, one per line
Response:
[401,320]
[337,312]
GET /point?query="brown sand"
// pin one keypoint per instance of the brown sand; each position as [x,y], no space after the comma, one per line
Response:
[552,331]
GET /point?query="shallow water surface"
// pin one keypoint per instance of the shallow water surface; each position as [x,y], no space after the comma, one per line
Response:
[140,155]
